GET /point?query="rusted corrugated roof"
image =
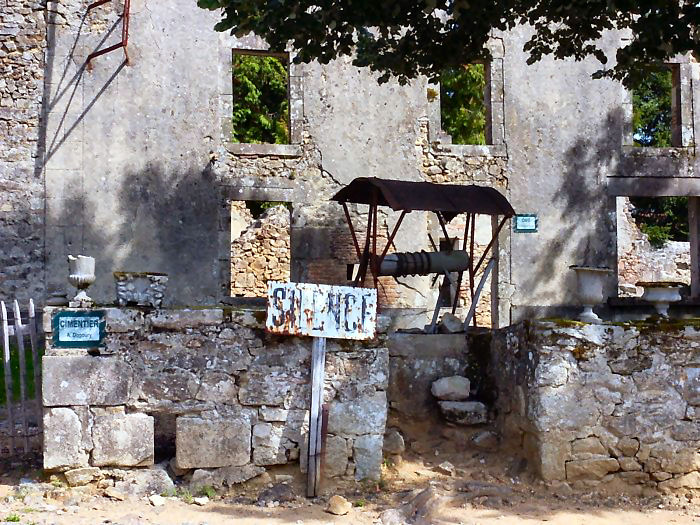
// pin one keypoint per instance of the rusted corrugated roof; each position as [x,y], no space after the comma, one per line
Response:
[450,199]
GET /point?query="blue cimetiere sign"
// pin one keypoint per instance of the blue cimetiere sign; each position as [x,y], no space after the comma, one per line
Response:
[78,329]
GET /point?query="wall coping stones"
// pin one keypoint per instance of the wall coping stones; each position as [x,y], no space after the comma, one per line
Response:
[186,318]
[427,345]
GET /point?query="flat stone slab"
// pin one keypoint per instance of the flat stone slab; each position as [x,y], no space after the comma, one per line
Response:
[85,380]
[178,319]
[455,388]
[210,443]
[122,440]
[464,412]
[425,346]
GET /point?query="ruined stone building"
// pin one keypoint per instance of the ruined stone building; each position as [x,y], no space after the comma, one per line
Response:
[132,161]
[129,157]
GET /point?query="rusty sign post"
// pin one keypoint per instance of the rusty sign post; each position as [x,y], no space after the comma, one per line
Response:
[320,311]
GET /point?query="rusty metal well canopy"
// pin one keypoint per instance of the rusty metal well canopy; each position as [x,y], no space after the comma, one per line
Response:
[450,199]
[446,201]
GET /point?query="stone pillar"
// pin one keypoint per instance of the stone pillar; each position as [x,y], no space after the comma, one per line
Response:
[694,231]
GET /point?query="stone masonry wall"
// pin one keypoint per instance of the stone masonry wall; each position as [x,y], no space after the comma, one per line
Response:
[231,398]
[638,260]
[23,29]
[600,405]
[261,254]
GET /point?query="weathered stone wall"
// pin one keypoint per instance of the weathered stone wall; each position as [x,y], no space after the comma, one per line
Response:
[261,254]
[638,260]
[23,33]
[602,404]
[210,387]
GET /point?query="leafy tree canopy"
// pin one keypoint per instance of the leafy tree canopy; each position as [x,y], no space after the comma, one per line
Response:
[652,110]
[260,102]
[406,38]
[462,108]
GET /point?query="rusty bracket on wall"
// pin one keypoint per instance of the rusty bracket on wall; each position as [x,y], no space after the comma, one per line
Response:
[125,33]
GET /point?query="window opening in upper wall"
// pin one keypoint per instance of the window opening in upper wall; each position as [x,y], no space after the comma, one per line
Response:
[464,104]
[656,108]
[260,98]
[260,246]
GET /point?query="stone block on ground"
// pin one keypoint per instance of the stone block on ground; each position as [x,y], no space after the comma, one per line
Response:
[685,481]
[144,482]
[82,476]
[210,443]
[455,388]
[338,505]
[464,412]
[124,440]
[367,454]
[85,380]
[394,442]
[64,444]
[485,440]
[223,477]
[591,469]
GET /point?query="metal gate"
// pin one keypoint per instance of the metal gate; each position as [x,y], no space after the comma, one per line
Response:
[21,347]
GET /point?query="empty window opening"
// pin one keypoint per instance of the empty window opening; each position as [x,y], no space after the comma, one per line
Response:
[260,246]
[656,109]
[652,239]
[464,104]
[260,98]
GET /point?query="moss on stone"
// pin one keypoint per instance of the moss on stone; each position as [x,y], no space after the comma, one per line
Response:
[564,323]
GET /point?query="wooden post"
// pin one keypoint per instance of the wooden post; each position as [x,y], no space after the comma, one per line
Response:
[4,330]
[318,363]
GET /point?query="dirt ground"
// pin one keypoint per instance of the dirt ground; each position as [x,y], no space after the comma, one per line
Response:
[486,487]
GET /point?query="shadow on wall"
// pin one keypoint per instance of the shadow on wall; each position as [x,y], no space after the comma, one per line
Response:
[585,206]
[587,214]
[61,94]
[157,218]
[161,221]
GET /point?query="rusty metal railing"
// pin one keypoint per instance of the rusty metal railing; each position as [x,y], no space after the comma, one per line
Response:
[125,32]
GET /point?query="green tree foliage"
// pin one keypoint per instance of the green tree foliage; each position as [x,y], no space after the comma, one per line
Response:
[652,112]
[406,38]
[662,218]
[260,102]
[257,208]
[462,108]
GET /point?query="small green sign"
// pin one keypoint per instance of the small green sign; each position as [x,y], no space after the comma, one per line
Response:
[79,329]
[525,223]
